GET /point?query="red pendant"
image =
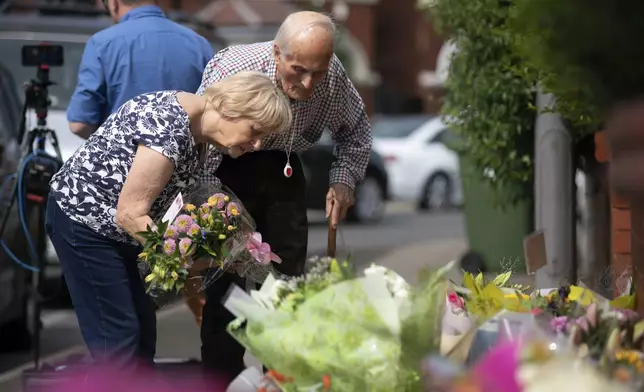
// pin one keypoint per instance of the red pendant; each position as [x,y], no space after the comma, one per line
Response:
[288,170]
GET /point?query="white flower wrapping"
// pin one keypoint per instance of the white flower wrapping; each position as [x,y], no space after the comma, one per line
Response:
[397,286]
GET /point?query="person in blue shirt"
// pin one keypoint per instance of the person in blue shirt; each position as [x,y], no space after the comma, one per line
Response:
[143,52]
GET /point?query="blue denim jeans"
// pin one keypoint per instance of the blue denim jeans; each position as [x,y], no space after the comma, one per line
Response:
[116,316]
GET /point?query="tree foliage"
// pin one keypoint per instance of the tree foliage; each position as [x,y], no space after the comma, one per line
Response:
[505,48]
[488,103]
[587,45]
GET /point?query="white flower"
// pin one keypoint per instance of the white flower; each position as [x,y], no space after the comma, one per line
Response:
[276,290]
[375,270]
[397,286]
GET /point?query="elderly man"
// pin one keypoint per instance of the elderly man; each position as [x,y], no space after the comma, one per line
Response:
[271,182]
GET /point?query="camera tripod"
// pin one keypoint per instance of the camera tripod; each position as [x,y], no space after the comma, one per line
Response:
[30,190]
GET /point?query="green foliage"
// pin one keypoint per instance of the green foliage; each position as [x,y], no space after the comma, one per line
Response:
[591,44]
[574,49]
[542,43]
[490,94]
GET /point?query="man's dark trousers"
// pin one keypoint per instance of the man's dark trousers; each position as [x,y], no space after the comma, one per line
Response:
[278,206]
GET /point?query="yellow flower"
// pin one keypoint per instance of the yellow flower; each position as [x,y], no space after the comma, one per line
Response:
[149,278]
[189,207]
[230,228]
[226,199]
[222,237]
[174,275]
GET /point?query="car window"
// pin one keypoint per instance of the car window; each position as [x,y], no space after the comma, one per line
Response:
[446,137]
[397,127]
[65,76]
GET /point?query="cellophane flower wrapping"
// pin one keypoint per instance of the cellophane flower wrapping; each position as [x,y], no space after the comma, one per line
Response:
[207,238]
[362,333]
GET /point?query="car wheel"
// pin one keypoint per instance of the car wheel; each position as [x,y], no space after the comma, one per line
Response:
[437,193]
[370,202]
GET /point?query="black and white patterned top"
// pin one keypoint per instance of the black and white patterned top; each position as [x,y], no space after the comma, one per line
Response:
[88,185]
[335,105]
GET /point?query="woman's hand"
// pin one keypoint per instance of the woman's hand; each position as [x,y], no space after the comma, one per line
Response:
[149,174]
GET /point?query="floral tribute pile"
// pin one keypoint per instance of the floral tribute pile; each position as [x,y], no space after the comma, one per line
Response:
[337,330]
[334,330]
[563,338]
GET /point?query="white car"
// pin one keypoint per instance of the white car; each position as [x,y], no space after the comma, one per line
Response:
[420,166]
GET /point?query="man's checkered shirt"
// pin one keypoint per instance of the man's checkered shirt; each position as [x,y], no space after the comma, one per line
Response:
[335,105]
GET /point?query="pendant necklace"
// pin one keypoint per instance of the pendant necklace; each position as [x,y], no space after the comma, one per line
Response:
[288,169]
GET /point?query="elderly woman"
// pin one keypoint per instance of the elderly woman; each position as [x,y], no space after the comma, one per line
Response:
[123,178]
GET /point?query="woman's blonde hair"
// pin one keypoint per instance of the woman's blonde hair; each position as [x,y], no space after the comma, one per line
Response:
[251,95]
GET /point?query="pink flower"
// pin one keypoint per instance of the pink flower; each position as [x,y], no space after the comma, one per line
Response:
[218,200]
[261,251]
[169,246]
[233,209]
[194,230]
[455,301]
[171,232]
[559,324]
[188,262]
[183,223]
[184,245]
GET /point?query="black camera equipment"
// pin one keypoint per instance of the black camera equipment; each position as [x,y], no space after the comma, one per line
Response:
[35,170]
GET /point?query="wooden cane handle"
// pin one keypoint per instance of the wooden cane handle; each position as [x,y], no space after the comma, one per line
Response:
[330,247]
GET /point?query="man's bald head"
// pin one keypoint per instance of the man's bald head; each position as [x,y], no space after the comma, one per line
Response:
[304,27]
[303,51]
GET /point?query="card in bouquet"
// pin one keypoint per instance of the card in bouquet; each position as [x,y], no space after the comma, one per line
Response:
[534,246]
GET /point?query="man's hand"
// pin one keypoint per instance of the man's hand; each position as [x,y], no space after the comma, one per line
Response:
[338,200]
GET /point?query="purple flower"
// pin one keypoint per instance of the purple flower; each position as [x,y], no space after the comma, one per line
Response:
[233,209]
[171,232]
[169,246]
[188,262]
[183,223]
[558,324]
[205,216]
[194,230]
[218,200]
[184,245]
[583,323]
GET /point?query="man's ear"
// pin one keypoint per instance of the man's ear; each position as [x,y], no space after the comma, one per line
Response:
[276,52]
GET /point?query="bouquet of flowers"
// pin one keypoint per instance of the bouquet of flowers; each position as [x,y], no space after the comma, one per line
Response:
[333,330]
[197,241]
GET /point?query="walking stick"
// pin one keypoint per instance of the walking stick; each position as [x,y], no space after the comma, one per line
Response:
[330,247]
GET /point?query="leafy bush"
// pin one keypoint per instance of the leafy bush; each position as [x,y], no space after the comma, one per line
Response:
[589,44]
[488,103]
[505,49]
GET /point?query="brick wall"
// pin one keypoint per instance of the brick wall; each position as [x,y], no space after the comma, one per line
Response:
[620,218]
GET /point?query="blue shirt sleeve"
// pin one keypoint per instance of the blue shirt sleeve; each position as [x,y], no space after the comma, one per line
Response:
[88,103]
[208,52]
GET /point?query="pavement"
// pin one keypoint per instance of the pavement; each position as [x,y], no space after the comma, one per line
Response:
[405,241]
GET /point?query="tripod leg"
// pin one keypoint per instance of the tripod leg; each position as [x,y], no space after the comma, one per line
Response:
[7,211]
